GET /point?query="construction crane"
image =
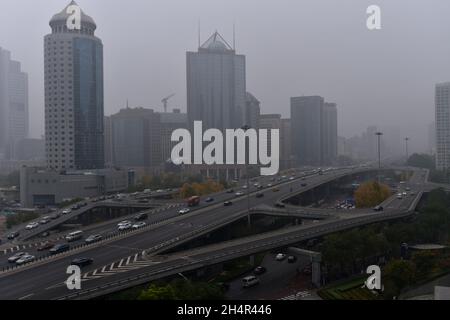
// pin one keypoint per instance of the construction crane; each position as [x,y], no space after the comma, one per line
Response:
[166,100]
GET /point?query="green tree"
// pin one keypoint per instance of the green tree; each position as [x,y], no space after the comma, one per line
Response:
[400,273]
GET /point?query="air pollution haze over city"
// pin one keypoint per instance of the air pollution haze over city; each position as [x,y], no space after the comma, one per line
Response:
[383,78]
[224,150]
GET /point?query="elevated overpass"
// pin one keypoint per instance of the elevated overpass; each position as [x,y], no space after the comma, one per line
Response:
[144,245]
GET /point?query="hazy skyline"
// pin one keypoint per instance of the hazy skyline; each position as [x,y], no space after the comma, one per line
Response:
[293,48]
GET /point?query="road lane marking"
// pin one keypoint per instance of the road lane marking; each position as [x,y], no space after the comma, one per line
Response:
[27,296]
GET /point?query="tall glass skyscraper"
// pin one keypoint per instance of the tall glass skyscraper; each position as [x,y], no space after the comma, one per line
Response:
[13,104]
[74,107]
[216,85]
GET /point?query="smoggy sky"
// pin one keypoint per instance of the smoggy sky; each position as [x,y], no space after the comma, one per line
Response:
[293,47]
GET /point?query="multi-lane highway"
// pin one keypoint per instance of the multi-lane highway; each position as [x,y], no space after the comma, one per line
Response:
[134,253]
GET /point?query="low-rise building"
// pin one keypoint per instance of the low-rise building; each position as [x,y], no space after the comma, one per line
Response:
[43,187]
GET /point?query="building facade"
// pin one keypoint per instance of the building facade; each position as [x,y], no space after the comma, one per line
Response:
[74,107]
[14,118]
[136,138]
[216,85]
[329,133]
[442,113]
[252,111]
[306,113]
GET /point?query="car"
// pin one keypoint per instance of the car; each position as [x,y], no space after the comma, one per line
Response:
[275,189]
[404,194]
[399,196]
[292,259]
[45,220]
[141,216]
[25,259]
[55,216]
[59,248]
[124,227]
[82,262]
[13,235]
[245,187]
[260,187]
[17,256]
[280,205]
[269,185]
[291,178]
[227,203]
[184,211]
[280,257]
[307,270]
[123,223]
[93,238]
[84,204]
[239,194]
[32,226]
[45,234]
[250,281]
[259,270]
[209,200]
[304,184]
[138,225]
[46,246]
[230,191]
[260,195]
[378,208]
[66,211]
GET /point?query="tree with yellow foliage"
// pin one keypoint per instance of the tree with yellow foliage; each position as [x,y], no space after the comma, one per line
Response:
[200,189]
[371,194]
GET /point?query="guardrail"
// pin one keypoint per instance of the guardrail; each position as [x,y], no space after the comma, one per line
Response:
[287,237]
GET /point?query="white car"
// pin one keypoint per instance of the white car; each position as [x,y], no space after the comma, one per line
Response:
[123,223]
[184,211]
[25,259]
[66,211]
[280,257]
[238,194]
[16,257]
[32,226]
[400,196]
[125,227]
[139,225]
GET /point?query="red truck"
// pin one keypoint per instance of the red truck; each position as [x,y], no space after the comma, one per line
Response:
[193,201]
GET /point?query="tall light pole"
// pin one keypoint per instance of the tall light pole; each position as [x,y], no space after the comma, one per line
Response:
[407,154]
[379,134]
[247,160]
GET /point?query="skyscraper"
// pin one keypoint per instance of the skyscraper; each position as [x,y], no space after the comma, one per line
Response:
[14,121]
[73,95]
[136,138]
[329,133]
[252,111]
[306,117]
[216,85]
[442,101]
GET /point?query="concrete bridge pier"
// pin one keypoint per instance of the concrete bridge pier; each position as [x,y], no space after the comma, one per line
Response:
[316,260]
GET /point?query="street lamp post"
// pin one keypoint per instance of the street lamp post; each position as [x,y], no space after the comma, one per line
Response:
[379,134]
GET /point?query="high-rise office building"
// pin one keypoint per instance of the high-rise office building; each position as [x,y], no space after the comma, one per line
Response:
[74,111]
[314,135]
[442,112]
[136,138]
[216,85]
[286,160]
[14,121]
[170,121]
[329,133]
[252,111]
[306,134]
